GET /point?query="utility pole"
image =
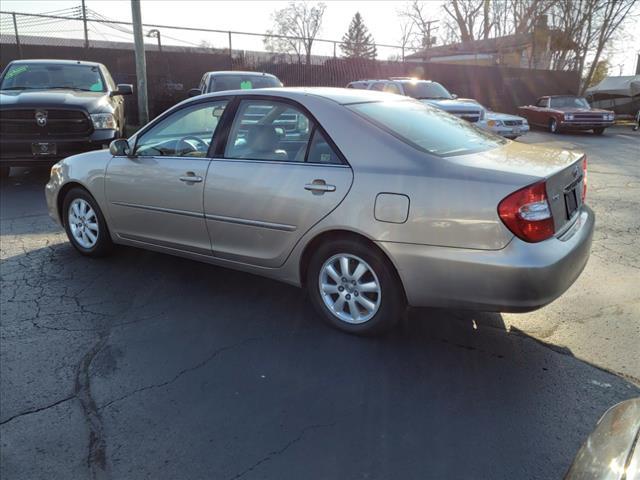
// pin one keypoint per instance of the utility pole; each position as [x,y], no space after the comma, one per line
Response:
[429,22]
[86,29]
[637,64]
[141,64]
[15,29]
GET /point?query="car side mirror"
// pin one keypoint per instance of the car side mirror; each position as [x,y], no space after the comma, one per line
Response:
[194,92]
[454,96]
[123,89]
[120,148]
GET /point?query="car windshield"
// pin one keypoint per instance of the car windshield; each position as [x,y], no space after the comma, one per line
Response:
[43,76]
[569,102]
[431,90]
[428,128]
[242,82]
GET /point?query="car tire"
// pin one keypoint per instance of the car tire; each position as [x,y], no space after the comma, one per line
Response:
[85,225]
[598,131]
[553,126]
[376,311]
[5,171]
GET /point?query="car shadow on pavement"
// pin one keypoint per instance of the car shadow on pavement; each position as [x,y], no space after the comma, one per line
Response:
[184,370]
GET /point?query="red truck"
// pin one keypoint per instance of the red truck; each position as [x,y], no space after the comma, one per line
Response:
[567,112]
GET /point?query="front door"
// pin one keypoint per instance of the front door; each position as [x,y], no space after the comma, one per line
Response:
[155,196]
[279,176]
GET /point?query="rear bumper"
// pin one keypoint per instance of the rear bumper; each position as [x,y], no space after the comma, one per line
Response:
[521,277]
[16,152]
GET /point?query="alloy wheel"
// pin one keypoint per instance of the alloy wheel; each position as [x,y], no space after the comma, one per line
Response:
[349,288]
[83,223]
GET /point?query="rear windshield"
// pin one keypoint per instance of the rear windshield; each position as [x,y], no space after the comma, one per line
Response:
[428,128]
[42,76]
[242,82]
[431,90]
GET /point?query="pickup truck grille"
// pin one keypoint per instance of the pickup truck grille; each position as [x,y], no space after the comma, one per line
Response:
[466,115]
[23,122]
[588,116]
[512,123]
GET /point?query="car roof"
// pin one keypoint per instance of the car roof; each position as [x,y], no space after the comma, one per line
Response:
[223,73]
[343,96]
[57,62]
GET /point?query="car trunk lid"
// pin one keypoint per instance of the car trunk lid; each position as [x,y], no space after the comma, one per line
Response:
[562,171]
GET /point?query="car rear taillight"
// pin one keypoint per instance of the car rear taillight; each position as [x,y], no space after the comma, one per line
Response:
[584,178]
[527,214]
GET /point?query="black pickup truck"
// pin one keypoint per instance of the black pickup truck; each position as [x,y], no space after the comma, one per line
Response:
[51,109]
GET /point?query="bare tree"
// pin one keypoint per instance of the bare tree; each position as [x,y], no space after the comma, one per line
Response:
[419,17]
[607,19]
[406,36]
[296,27]
[466,17]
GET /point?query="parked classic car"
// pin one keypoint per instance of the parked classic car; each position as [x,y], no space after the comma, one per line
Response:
[234,80]
[426,91]
[375,202]
[567,112]
[50,109]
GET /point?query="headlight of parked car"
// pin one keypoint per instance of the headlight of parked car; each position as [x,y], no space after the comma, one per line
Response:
[609,116]
[103,121]
[568,116]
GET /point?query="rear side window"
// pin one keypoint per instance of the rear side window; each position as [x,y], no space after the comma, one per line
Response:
[427,128]
[320,151]
[269,130]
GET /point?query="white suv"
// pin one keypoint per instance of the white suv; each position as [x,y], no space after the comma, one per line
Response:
[427,91]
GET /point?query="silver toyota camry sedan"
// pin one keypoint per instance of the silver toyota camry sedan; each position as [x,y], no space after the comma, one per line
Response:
[370,201]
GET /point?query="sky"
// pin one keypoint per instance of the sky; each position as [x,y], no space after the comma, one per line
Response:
[255,16]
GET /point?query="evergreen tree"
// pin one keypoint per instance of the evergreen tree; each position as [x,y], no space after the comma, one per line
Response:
[358,42]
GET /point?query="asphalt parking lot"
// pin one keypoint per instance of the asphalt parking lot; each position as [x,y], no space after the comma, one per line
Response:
[143,365]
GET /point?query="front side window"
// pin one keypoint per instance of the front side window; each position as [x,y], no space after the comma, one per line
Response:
[543,103]
[185,133]
[427,128]
[378,86]
[44,76]
[269,130]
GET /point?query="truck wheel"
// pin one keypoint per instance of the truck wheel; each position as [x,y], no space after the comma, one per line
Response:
[553,125]
[598,131]
[4,172]
[354,288]
[85,225]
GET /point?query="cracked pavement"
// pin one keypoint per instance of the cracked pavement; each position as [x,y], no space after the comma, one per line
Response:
[143,365]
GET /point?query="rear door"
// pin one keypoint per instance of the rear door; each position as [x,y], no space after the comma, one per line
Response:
[279,175]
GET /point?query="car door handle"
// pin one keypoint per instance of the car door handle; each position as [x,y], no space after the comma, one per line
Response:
[319,187]
[191,177]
